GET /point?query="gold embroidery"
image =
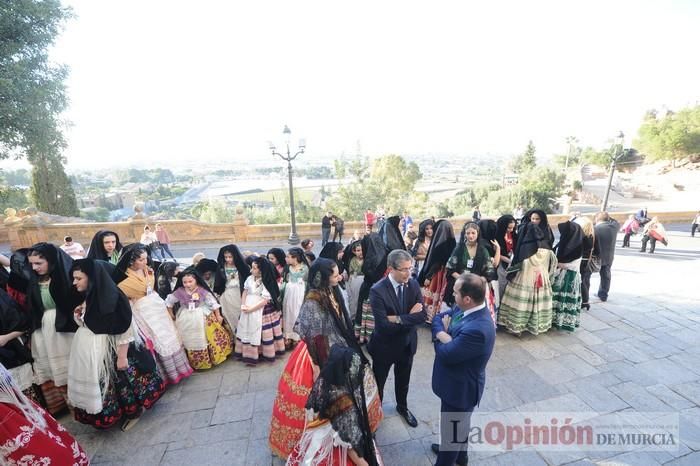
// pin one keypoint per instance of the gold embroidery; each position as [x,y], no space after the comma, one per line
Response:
[294,387]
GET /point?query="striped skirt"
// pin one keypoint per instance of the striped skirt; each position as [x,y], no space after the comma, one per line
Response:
[525,306]
[272,342]
[363,330]
[566,299]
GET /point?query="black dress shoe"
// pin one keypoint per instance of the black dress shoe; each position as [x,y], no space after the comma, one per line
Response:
[408,416]
[435,447]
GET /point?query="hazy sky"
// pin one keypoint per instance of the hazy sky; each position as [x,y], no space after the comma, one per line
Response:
[165,80]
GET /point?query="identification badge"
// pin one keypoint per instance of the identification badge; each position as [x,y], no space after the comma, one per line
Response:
[190,306]
[470,263]
[149,290]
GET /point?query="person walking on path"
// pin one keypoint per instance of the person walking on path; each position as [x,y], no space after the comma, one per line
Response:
[476,215]
[606,229]
[397,306]
[338,228]
[463,337]
[653,231]
[695,225]
[164,240]
[326,228]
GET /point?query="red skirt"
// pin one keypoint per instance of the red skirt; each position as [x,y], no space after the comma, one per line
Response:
[25,443]
[434,293]
[288,412]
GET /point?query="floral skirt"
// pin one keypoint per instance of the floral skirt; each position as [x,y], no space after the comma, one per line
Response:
[219,345]
[288,410]
[129,392]
[566,299]
[434,293]
[363,330]
[319,446]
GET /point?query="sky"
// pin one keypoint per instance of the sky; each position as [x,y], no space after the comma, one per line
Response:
[155,82]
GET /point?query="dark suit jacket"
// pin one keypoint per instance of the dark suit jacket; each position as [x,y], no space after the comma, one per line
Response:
[394,341]
[459,371]
[606,237]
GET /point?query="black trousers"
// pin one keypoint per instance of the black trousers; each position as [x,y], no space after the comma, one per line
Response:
[338,234]
[454,429]
[605,277]
[626,240]
[693,229]
[325,234]
[585,281]
[651,240]
[402,377]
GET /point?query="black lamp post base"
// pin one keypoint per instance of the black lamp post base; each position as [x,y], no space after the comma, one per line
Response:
[293,239]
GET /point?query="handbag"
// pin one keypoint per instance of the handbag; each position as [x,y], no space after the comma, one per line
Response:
[593,261]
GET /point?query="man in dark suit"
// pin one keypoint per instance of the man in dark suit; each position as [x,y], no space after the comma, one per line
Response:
[397,305]
[464,338]
[606,229]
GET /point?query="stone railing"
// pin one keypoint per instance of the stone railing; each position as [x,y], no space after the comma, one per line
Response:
[23,232]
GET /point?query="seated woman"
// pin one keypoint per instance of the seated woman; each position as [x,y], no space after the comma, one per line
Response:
[337,427]
[111,373]
[207,342]
[29,434]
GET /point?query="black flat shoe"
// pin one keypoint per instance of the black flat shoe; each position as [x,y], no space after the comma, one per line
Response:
[586,307]
[435,447]
[408,416]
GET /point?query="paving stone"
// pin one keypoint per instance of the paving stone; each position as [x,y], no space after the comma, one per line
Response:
[690,391]
[392,430]
[577,365]
[539,349]
[688,361]
[194,401]
[229,452]
[603,315]
[527,385]
[587,355]
[630,351]
[258,454]
[596,396]
[264,400]
[553,371]
[233,408]
[633,457]
[201,418]
[150,456]
[668,396]
[592,324]
[408,453]
[498,398]
[628,372]
[691,459]
[515,458]
[212,434]
[201,381]
[666,372]
[639,398]
[169,428]
[588,338]
[607,352]
[234,383]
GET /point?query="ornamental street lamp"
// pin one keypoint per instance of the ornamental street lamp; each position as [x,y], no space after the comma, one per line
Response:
[293,237]
[616,154]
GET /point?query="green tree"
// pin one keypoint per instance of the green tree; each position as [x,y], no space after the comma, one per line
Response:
[526,160]
[216,211]
[671,137]
[97,214]
[32,98]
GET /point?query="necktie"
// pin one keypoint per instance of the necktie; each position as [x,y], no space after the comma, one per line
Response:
[400,296]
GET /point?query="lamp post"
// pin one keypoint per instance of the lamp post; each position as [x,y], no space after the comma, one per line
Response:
[293,237]
[616,154]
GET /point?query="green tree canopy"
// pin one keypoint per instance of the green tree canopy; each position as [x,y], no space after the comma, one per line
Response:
[526,160]
[673,136]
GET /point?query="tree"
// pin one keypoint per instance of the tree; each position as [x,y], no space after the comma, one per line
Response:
[526,160]
[32,98]
[672,137]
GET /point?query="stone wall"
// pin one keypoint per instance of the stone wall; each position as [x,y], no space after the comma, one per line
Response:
[29,230]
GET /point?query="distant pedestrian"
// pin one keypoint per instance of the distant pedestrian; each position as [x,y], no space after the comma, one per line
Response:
[590,251]
[406,221]
[338,228]
[380,216]
[307,245]
[164,240]
[326,228]
[73,249]
[150,240]
[476,215]
[696,224]
[653,231]
[518,213]
[606,229]
[629,228]
[642,216]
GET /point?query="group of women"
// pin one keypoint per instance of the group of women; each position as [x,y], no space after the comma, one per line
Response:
[532,284]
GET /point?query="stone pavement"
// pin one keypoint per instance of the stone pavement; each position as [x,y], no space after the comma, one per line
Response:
[637,352]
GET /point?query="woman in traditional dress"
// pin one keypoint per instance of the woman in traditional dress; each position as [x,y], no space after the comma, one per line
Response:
[51,302]
[14,353]
[207,342]
[19,277]
[166,277]
[422,244]
[337,427]
[136,279]
[538,217]
[590,249]
[352,262]
[507,239]
[322,323]
[105,246]
[527,302]
[294,278]
[335,252]
[207,269]
[259,331]
[276,257]
[471,255]
[31,436]
[566,286]
[231,274]
[374,253]
[111,375]
[432,276]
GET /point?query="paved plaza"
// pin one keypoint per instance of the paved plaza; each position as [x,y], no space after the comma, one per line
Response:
[640,351]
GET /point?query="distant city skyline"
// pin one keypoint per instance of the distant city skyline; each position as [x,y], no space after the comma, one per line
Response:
[157,81]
